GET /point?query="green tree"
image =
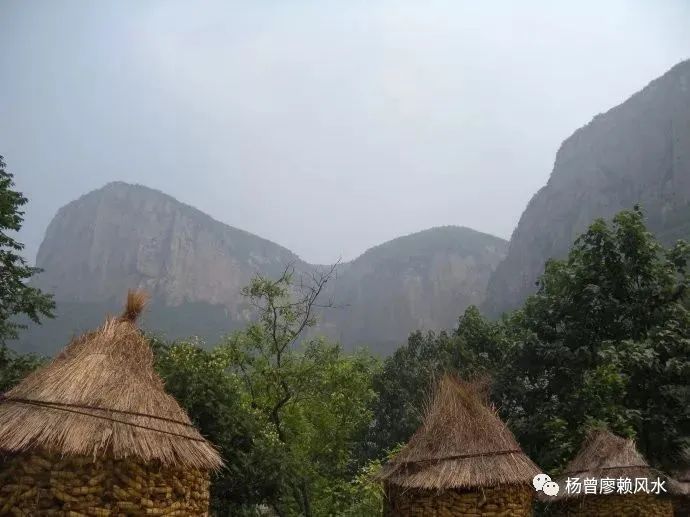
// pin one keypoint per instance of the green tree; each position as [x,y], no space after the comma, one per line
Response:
[403,386]
[218,405]
[315,398]
[16,297]
[14,367]
[476,348]
[605,342]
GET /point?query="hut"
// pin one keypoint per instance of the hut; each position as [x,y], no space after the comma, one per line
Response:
[94,433]
[621,482]
[463,460]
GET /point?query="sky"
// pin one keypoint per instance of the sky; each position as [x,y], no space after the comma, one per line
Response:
[325,126]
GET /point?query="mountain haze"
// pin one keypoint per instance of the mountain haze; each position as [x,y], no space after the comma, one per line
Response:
[123,236]
[636,153]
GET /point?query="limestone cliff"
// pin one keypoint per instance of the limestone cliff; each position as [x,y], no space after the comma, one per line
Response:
[129,235]
[421,281]
[124,236]
[638,152]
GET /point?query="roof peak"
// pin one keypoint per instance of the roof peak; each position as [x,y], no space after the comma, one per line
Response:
[101,397]
[459,437]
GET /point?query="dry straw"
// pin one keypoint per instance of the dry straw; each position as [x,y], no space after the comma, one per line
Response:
[102,397]
[462,444]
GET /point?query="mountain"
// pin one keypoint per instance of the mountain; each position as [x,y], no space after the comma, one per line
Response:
[636,153]
[420,281]
[123,236]
[129,235]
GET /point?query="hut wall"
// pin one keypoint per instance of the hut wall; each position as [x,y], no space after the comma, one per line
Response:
[487,502]
[44,485]
[616,506]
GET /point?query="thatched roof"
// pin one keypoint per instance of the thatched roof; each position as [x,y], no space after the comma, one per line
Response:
[462,443]
[101,397]
[605,455]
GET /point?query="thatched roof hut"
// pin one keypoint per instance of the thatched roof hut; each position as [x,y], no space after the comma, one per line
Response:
[618,475]
[100,408]
[463,460]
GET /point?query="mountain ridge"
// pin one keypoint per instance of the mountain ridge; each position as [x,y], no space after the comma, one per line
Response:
[637,152]
[124,235]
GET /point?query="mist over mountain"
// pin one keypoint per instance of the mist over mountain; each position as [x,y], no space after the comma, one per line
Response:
[635,153]
[123,236]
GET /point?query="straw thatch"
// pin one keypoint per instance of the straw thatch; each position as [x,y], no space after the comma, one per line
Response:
[462,444]
[100,397]
[605,455]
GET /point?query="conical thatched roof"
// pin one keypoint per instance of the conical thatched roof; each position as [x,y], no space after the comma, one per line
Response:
[101,397]
[461,444]
[605,455]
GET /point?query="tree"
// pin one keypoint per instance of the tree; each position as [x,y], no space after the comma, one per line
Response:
[303,391]
[16,297]
[605,342]
[14,367]
[403,386]
[202,382]
[476,348]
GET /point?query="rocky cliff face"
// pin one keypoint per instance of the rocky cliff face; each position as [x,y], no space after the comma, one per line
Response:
[128,235]
[638,152]
[124,236]
[420,281]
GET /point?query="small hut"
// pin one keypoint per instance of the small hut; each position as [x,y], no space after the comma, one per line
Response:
[95,433]
[621,482]
[463,460]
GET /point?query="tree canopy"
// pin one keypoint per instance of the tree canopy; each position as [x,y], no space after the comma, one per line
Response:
[603,342]
[16,297]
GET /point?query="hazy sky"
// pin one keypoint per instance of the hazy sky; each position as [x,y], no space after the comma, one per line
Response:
[325,126]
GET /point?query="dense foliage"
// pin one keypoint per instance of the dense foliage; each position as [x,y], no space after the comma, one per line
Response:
[605,341]
[302,426]
[16,297]
[284,414]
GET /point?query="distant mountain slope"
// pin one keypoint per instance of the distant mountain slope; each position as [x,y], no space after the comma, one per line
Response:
[420,281]
[638,152]
[123,236]
[129,235]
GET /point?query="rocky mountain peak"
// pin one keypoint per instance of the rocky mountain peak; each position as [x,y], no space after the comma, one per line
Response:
[635,153]
[123,236]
